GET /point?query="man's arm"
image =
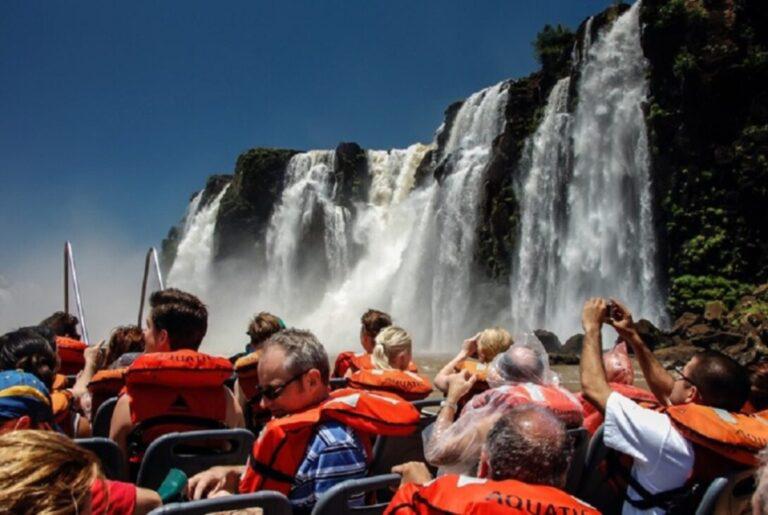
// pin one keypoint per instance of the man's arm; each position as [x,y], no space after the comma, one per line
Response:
[468,349]
[594,385]
[234,413]
[659,380]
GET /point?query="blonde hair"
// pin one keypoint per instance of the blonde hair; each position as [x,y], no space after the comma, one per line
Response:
[390,342]
[493,341]
[45,473]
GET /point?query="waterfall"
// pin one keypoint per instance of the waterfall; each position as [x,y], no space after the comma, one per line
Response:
[306,209]
[591,232]
[192,268]
[455,207]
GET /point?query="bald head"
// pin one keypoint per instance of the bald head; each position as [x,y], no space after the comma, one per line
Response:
[529,444]
[521,364]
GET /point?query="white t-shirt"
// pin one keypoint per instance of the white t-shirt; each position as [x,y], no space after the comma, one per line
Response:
[663,459]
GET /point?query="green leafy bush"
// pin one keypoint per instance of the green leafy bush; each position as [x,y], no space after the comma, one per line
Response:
[692,292]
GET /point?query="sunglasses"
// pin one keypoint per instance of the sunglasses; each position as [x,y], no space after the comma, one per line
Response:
[272,392]
[683,377]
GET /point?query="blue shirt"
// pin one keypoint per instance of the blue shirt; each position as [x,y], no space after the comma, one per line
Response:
[335,454]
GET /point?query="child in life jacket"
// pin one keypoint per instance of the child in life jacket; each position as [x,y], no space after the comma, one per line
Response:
[172,386]
[475,356]
[697,436]
[521,375]
[317,438]
[621,378]
[24,402]
[522,470]
[391,357]
[371,324]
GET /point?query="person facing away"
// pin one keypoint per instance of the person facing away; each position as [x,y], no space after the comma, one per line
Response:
[391,359]
[371,324]
[520,375]
[660,443]
[523,469]
[46,472]
[293,376]
[175,329]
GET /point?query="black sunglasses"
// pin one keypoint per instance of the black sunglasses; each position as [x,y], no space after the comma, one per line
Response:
[683,377]
[272,392]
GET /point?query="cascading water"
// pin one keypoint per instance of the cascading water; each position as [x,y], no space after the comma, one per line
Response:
[595,236]
[307,204]
[456,205]
[191,269]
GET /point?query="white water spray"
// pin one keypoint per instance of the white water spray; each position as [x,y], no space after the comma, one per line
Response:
[192,268]
[604,244]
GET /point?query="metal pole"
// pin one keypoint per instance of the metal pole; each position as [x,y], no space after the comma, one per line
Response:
[151,257]
[70,268]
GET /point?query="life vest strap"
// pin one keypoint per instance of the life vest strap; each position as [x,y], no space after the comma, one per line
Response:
[269,472]
[137,444]
[667,500]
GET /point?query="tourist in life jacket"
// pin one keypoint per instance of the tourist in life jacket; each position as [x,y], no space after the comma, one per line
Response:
[621,378]
[67,342]
[260,328]
[24,402]
[99,380]
[521,375]
[302,452]
[173,378]
[475,355]
[523,469]
[391,358]
[666,445]
[26,350]
[45,472]
[371,324]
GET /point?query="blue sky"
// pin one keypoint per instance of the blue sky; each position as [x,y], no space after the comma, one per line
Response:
[113,113]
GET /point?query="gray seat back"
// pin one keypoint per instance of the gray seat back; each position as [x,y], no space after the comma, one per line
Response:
[112,460]
[103,418]
[273,503]
[336,500]
[193,452]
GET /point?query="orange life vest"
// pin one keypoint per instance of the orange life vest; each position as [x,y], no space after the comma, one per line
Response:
[474,367]
[593,419]
[560,401]
[452,494]
[181,390]
[70,353]
[60,382]
[104,385]
[407,385]
[282,444]
[734,436]
[349,360]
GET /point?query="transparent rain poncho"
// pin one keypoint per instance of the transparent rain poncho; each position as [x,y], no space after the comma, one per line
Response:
[618,365]
[455,447]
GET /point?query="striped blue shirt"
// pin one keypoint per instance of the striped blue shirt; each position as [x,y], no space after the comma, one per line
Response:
[335,454]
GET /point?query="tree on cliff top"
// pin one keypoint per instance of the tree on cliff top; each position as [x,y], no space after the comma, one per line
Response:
[552,46]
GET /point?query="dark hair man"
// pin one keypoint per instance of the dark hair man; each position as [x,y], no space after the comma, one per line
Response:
[523,466]
[176,326]
[659,442]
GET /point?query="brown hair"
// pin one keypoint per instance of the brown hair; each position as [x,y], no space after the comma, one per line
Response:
[124,339]
[721,381]
[758,377]
[374,321]
[62,324]
[45,473]
[182,315]
[262,326]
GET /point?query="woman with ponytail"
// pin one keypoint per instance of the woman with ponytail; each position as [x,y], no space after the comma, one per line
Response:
[391,359]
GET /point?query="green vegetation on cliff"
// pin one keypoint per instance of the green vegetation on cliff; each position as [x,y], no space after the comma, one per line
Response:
[708,124]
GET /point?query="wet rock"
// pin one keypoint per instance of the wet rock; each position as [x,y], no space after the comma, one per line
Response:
[685,321]
[714,312]
[549,339]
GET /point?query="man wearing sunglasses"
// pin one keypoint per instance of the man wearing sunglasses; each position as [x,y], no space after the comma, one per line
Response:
[663,457]
[293,378]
